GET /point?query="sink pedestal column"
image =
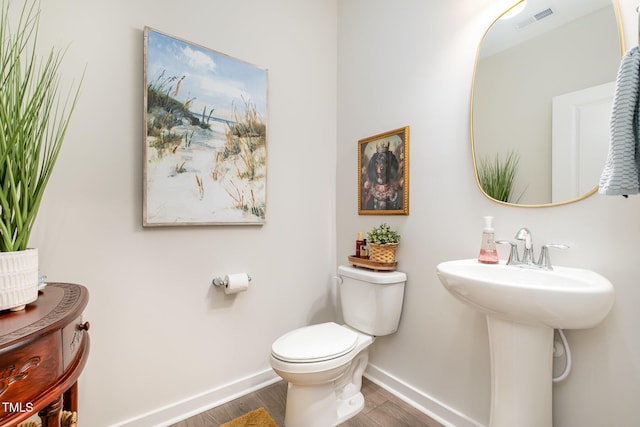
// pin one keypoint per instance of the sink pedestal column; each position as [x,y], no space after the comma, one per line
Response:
[521,374]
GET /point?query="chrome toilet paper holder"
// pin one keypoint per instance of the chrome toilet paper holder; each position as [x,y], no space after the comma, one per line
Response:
[221,282]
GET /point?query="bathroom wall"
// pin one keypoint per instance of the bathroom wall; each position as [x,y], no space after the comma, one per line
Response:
[410,62]
[161,336]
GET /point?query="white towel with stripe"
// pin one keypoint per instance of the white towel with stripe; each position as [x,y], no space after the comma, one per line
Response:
[621,174]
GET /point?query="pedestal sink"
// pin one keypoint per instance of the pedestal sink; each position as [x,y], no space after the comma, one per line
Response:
[523,307]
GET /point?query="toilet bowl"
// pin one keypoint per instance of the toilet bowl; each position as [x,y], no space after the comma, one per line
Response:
[323,364]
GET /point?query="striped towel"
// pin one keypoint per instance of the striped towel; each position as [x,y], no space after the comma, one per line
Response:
[621,174]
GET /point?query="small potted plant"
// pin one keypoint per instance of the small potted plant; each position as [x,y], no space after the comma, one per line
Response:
[383,241]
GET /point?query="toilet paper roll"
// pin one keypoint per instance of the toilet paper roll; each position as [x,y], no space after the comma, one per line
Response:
[238,282]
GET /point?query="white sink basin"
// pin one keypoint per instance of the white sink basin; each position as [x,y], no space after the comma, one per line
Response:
[523,307]
[564,298]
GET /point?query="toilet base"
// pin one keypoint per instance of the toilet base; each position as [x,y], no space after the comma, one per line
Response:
[313,406]
[350,408]
[319,407]
[330,403]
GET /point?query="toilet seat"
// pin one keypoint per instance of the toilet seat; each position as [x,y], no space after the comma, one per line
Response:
[315,343]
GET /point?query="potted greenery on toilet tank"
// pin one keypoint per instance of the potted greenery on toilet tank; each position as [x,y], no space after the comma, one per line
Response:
[33,124]
[383,241]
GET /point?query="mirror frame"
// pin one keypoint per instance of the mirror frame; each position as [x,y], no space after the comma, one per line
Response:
[616,8]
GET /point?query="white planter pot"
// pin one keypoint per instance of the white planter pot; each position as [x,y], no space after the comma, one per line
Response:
[18,279]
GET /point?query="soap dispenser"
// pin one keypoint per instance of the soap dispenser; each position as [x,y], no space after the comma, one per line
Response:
[488,252]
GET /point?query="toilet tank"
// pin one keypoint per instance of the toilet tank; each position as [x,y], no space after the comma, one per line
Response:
[371,300]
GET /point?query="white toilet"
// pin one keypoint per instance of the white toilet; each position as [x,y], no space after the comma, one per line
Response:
[323,363]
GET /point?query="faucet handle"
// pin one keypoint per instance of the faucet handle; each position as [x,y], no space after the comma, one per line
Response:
[545,261]
[513,254]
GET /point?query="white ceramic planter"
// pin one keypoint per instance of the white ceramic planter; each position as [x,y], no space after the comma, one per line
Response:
[18,279]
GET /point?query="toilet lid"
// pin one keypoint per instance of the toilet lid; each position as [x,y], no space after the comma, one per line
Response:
[315,343]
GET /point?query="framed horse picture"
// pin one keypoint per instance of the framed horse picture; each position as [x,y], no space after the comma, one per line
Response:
[383,173]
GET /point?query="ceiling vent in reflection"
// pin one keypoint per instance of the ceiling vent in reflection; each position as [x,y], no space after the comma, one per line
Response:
[533,18]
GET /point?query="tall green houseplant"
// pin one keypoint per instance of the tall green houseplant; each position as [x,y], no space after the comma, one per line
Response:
[33,122]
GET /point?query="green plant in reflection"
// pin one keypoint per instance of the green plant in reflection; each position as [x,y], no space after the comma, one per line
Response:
[497,176]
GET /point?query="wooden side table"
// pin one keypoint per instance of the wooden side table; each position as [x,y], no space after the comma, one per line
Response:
[43,350]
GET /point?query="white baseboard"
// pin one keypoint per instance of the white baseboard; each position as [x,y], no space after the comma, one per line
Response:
[186,408]
[419,400]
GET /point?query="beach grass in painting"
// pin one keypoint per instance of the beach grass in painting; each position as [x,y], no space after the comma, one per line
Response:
[205,153]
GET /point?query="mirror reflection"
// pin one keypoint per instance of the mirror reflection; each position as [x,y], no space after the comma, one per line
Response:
[542,93]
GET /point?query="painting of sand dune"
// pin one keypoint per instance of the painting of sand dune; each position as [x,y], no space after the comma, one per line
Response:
[205,144]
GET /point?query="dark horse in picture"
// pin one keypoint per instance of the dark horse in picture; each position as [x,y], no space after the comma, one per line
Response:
[381,189]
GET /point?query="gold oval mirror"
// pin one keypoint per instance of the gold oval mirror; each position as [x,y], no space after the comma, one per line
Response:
[541,99]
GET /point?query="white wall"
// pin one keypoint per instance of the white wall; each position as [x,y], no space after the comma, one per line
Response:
[410,62]
[159,332]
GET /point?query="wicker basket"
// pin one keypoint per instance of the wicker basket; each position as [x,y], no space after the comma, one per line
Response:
[383,253]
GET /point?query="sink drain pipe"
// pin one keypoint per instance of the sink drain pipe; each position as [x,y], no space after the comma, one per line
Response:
[567,366]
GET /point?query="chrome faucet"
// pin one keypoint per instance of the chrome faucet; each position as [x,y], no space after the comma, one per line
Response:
[527,253]
[527,260]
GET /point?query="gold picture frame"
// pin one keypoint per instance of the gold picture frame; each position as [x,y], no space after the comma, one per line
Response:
[383,173]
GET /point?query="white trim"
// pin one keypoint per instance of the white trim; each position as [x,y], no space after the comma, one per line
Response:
[186,408]
[426,404]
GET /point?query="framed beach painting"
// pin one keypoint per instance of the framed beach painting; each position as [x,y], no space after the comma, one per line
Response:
[205,140]
[383,173]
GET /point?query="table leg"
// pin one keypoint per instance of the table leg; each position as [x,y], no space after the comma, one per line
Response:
[50,414]
[70,399]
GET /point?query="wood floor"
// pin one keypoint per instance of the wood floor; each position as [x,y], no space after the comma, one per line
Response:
[382,409]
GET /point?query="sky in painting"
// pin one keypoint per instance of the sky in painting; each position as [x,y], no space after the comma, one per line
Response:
[215,80]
